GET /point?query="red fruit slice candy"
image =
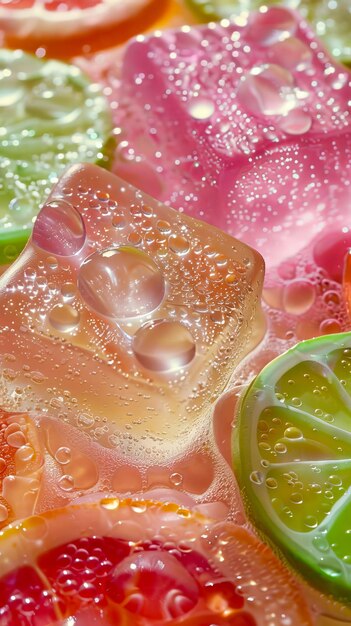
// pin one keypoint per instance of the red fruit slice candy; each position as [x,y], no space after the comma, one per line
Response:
[140,563]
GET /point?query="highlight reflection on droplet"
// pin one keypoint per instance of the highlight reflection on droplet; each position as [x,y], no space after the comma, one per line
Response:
[164,345]
[121,282]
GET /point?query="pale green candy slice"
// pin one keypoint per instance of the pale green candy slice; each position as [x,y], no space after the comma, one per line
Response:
[51,116]
[292,457]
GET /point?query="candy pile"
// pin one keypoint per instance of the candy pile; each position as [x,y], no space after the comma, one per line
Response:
[175,395]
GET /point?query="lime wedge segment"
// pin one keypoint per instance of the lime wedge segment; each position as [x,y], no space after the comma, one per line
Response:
[292,458]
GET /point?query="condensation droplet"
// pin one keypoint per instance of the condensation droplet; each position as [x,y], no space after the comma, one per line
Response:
[64,318]
[59,229]
[201,108]
[121,283]
[164,345]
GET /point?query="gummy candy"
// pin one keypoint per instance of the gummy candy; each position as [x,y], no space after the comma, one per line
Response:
[140,562]
[265,144]
[50,116]
[63,29]
[330,20]
[128,313]
[296,472]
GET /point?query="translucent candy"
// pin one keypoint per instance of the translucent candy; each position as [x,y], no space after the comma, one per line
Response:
[296,472]
[74,26]
[245,124]
[141,563]
[127,313]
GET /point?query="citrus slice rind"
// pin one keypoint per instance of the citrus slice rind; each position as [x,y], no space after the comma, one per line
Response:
[130,562]
[65,29]
[331,23]
[51,116]
[38,19]
[292,457]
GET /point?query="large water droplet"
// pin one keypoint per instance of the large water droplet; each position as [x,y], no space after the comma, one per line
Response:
[270,26]
[164,345]
[121,282]
[59,229]
[267,90]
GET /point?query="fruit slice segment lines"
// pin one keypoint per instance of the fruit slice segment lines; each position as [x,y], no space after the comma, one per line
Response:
[293,458]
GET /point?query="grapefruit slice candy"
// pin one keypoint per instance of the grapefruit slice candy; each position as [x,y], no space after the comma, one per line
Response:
[68,27]
[292,455]
[138,563]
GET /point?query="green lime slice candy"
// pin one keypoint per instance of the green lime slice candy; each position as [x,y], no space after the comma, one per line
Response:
[292,458]
[51,116]
[331,21]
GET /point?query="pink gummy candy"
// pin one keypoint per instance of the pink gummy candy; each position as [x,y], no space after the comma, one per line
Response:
[125,318]
[245,124]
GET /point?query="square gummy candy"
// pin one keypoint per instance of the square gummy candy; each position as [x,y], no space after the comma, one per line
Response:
[245,123]
[123,316]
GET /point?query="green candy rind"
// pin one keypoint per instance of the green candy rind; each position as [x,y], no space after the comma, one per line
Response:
[51,116]
[332,26]
[294,547]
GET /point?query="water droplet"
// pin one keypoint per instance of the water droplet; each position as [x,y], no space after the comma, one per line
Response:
[63,455]
[178,244]
[121,282]
[68,291]
[34,528]
[291,53]
[296,122]
[66,483]
[64,318]
[256,477]
[201,108]
[293,433]
[299,296]
[176,479]
[59,229]
[164,345]
[268,27]
[260,91]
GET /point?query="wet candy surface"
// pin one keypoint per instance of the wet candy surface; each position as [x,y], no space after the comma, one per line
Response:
[125,562]
[264,151]
[21,459]
[50,116]
[292,457]
[128,312]
[63,29]
[331,21]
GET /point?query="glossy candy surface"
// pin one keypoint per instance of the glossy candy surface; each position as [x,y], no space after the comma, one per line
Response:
[331,21]
[133,314]
[62,29]
[292,450]
[21,460]
[244,124]
[51,116]
[140,563]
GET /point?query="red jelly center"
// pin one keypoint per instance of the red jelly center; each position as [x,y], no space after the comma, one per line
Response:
[123,582]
